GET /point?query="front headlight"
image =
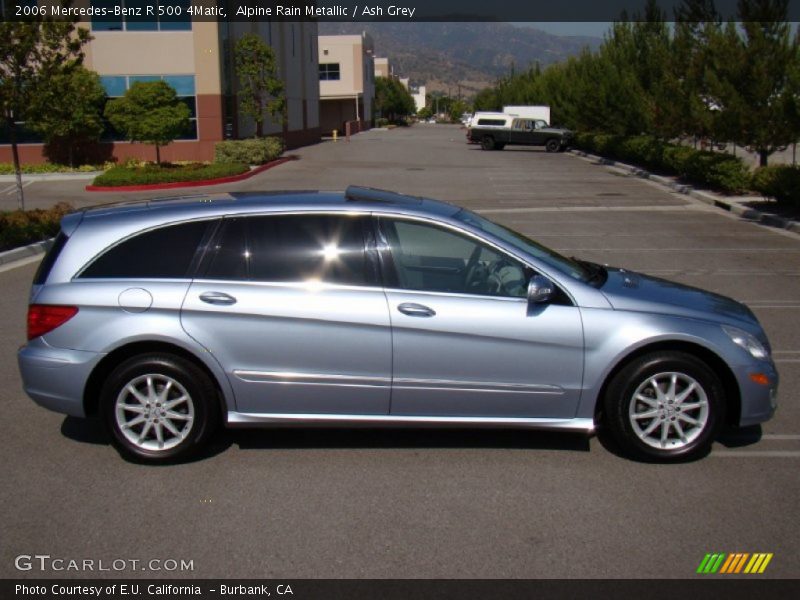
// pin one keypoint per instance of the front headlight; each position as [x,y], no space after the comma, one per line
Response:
[747,341]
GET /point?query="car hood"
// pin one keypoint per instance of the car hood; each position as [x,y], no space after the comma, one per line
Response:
[559,130]
[627,290]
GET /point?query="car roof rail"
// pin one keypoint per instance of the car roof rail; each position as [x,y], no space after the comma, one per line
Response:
[365,194]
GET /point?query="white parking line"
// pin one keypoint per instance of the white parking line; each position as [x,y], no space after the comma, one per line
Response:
[757,453]
[774,305]
[20,263]
[780,436]
[584,209]
[13,189]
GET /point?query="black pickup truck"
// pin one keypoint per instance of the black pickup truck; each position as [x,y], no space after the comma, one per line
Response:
[503,131]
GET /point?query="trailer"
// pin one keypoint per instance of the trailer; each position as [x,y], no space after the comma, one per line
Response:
[529,112]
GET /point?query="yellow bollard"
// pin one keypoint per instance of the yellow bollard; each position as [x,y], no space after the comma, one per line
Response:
[335,135]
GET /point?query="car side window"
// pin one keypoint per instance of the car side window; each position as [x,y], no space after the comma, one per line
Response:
[292,248]
[433,259]
[163,253]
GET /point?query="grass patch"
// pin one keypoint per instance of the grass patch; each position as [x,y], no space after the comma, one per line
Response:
[20,228]
[167,173]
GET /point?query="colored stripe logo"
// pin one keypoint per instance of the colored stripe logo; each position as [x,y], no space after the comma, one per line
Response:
[738,562]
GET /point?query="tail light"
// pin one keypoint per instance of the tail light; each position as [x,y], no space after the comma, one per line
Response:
[43,318]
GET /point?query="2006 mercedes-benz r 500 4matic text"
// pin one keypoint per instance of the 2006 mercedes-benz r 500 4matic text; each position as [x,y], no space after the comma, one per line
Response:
[168,318]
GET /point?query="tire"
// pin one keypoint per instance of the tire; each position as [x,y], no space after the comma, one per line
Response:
[652,422]
[499,146]
[552,145]
[143,431]
[487,142]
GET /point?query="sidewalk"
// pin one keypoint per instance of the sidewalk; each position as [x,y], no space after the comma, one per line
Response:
[31,177]
[735,204]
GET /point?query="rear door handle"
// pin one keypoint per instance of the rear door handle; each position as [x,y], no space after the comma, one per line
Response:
[219,298]
[416,310]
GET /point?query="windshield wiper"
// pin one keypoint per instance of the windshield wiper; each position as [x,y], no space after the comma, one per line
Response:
[597,273]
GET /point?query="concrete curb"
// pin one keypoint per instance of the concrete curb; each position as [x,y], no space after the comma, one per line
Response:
[20,254]
[711,198]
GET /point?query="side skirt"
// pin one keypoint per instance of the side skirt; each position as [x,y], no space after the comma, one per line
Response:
[238,420]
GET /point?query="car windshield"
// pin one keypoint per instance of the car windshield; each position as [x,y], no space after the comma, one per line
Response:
[572,268]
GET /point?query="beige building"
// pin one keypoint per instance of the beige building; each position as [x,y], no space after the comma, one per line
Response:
[382,67]
[346,81]
[196,58]
[419,97]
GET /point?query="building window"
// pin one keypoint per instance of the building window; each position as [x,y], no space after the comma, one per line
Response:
[117,85]
[329,72]
[143,15]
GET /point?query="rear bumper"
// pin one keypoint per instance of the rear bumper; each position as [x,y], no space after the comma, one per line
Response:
[55,377]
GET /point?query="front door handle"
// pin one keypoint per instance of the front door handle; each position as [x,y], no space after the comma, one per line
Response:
[416,310]
[219,298]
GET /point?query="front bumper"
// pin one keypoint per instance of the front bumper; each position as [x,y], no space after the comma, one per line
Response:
[759,401]
[56,377]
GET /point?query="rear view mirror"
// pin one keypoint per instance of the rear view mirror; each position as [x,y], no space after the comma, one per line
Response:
[540,290]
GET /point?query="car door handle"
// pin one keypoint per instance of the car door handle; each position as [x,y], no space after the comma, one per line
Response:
[219,298]
[416,310]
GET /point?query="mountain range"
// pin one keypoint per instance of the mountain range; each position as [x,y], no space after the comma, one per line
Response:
[462,58]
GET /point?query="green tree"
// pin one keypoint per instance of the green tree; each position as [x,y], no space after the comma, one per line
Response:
[426,112]
[151,113]
[32,52]
[456,109]
[763,72]
[487,100]
[694,69]
[392,99]
[260,89]
[68,109]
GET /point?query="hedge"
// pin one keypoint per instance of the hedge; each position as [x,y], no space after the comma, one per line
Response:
[781,182]
[19,228]
[718,171]
[254,151]
[166,173]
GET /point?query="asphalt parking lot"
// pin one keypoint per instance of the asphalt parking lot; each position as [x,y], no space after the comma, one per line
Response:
[433,504]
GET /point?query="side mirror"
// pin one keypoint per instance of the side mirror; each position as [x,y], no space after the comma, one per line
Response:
[540,290]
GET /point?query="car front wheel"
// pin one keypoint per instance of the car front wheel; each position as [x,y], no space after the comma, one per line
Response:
[665,406]
[159,408]
[552,145]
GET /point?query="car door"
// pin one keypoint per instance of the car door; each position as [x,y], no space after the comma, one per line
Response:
[538,135]
[465,342]
[290,307]
[521,131]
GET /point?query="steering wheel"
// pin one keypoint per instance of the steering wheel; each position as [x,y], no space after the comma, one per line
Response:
[502,285]
[471,266]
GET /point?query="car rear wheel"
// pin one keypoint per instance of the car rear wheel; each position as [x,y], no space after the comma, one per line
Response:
[552,145]
[487,143]
[159,408]
[665,406]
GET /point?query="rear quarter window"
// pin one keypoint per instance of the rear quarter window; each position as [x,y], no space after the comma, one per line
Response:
[163,253]
[50,259]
